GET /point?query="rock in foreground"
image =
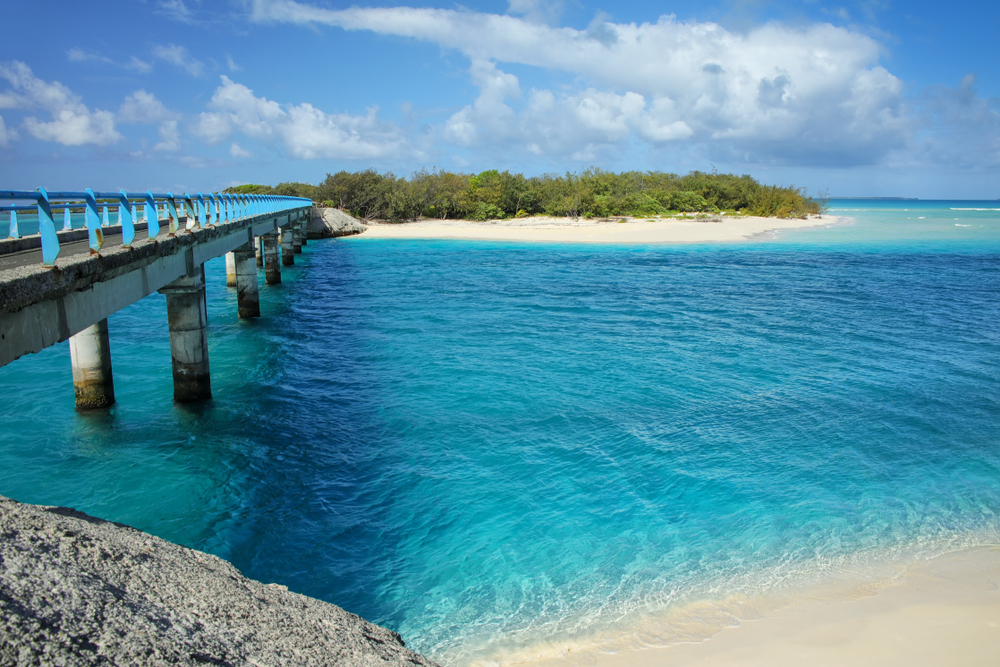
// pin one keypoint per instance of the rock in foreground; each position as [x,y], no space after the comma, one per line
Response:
[327,223]
[75,590]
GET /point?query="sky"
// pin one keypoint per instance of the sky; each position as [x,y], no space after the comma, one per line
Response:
[874,98]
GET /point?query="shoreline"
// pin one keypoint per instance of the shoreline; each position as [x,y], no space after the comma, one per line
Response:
[717,229]
[943,610]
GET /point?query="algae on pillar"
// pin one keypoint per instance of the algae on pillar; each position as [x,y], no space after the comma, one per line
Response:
[287,250]
[90,355]
[272,264]
[247,294]
[188,320]
[230,270]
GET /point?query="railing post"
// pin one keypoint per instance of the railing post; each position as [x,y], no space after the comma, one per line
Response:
[152,216]
[188,320]
[90,355]
[175,220]
[47,229]
[125,219]
[95,234]
[247,293]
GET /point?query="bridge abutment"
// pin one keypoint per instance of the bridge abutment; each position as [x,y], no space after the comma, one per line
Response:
[188,319]
[247,293]
[90,355]
[272,263]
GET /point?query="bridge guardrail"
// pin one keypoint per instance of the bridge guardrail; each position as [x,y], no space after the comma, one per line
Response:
[197,209]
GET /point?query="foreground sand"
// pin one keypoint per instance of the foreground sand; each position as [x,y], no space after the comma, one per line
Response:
[942,612]
[580,230]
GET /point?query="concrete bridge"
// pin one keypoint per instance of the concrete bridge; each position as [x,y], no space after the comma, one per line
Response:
[58,285]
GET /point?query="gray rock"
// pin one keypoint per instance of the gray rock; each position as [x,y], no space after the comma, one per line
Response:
[327,223]
[75,590]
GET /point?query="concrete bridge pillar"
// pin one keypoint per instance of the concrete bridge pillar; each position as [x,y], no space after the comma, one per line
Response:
[258,244]
[287,246]
[230,270]
[303,226]
[272,265]
[188,320]
[296,238]
[247,294]
[90,354]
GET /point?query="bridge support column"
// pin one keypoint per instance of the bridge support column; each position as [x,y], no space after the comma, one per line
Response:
[90,354]
[304,226]
[258,244]
[272,265]
[188,320]
[247,294]
[287,246]
[296,238]
[230,270]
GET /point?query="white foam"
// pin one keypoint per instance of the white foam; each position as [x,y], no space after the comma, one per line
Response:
[976,209]
[958,225]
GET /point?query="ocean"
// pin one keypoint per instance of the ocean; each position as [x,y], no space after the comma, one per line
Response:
[511,450]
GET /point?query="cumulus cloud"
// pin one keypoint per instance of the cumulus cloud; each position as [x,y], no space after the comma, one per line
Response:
[6,136]
[72,124]
[304,131]
[142,108]
[809,94]
[170,137]
[238,151]
[179,56]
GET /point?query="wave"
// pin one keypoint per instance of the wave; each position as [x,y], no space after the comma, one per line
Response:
[975,209]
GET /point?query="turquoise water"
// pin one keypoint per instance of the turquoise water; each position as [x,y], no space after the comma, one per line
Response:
[503,449]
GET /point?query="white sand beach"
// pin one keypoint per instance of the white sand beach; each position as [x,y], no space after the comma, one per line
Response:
[581,230]
[945,611]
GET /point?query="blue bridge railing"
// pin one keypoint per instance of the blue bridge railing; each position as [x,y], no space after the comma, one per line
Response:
[197,210]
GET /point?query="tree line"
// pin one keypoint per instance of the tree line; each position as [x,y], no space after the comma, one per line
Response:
[593,193]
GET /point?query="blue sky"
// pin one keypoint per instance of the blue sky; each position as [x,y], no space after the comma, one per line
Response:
[861,98]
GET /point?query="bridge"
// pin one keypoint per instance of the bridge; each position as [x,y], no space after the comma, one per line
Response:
[114,248]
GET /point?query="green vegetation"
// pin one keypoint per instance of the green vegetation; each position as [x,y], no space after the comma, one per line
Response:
[592,193]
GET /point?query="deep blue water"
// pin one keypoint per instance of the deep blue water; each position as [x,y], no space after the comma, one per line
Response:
[486,446]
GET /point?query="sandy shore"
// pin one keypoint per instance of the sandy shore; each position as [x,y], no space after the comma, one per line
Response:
[940,612]
[580,230]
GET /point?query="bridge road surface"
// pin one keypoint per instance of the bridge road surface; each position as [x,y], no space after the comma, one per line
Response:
[112,238]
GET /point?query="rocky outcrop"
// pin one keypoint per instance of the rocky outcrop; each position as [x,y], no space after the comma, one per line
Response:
[75,590]
[327,223]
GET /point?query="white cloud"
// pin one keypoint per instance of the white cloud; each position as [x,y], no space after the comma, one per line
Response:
[179,56]
[231,64]
[304,131]
[72,124]
[78,55]
[238,151]
[803,93]
[176,10]
[537,11]
[170,137]
[138,65]
[6,135]
[142,108]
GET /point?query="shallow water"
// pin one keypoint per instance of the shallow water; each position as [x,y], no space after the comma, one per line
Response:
[489,446]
